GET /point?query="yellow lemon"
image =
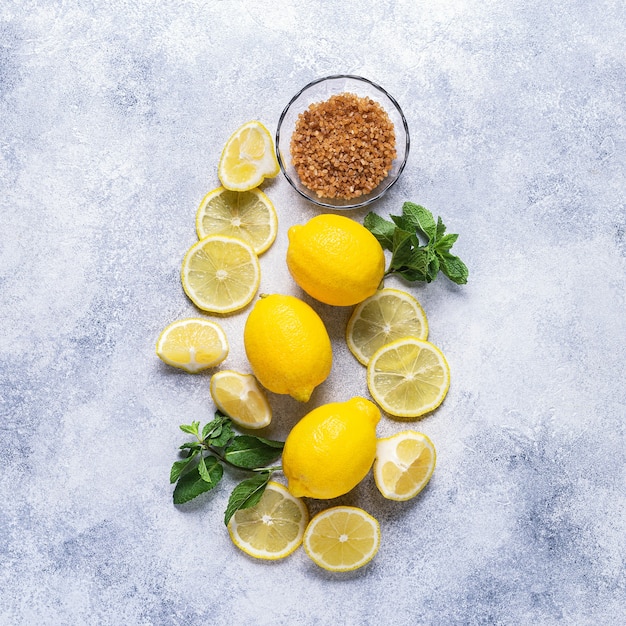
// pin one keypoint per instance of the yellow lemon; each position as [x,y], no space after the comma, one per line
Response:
[287,345]
[331,449]
[342,539]
[248,158]
[335,259]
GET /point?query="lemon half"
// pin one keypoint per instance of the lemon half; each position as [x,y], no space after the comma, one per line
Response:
[404,464]
[248,158]
[192,344]
[241,398]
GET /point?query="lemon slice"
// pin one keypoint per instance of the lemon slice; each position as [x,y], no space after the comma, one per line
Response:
[388,315]
[342,538]
[192,344]
[273,528]
[220,274]
[247,158]
[247,215]
[404,464]
[241,398]
[408,377]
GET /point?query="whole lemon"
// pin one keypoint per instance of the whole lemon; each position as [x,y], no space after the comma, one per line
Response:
[335,259]
[287,345]
[331,449]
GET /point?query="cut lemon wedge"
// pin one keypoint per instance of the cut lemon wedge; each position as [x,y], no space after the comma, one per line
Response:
[408,377]
[342,538]
[388,315]
[241,398]
[248,158]
[192,344]
[220,274]
[247,215]
[273,528]
[404,464]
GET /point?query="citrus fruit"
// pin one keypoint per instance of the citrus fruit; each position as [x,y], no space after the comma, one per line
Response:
[287,346]
[247,215]
[408,377]
[388,315]
[192,344]
[342,538]
[335,259]
[404,464]
[241,398]
[220,274]
[247,158]
[331,449]
[273,528]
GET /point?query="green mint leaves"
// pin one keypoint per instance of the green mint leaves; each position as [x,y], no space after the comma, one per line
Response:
[409,258]
[218,446]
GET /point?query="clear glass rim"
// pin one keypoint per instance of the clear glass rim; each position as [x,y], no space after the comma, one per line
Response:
[356,204]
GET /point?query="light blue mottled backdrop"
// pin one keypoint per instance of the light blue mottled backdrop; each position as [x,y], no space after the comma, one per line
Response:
[112,118]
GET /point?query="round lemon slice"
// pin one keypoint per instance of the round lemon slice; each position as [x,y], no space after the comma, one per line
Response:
[220,274]
[247,215]
[241,398]
[273,528]
[388,315]
[408,377]
[192,344]
[248,158]
[342,539]
[404,464]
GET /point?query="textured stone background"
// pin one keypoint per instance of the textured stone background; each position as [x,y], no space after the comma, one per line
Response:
[112,118]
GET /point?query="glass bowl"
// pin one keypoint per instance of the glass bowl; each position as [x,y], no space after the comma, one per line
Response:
[319,91]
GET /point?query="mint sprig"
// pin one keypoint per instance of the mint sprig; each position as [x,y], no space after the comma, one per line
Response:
[410,258]
[216,447]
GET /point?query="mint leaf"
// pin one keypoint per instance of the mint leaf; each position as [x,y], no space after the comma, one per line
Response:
[453,268]
[246,494]
[179,467]
[203,468]
[441,229]
[191,445]
[272,443]
[418,261]
[191,429]
[381,229]
[403,223]
[214,425]
[421,218]
[446,242]
[191,484]
[221,438]
[250,452]
[433,268]
[403,244]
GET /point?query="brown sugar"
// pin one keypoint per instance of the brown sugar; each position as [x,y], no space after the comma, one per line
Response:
[343,147]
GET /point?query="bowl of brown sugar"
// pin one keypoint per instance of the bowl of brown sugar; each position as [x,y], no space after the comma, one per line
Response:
[342,141]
